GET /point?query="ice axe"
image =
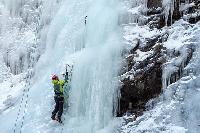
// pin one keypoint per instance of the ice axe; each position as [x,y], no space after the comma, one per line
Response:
[66,74]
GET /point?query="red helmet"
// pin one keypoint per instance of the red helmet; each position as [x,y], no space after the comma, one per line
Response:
[54,77]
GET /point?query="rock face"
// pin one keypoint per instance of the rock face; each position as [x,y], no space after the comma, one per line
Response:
[146,83]
[191,12]
[145,80]
[155,13]
[154,4]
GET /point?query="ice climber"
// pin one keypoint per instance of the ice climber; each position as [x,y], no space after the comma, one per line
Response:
[58,86]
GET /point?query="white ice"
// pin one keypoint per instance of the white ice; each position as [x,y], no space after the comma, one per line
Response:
[94,50]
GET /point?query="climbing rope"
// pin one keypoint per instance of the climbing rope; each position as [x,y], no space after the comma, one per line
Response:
[25,95]
[24,101]
[20,106]
[62,126]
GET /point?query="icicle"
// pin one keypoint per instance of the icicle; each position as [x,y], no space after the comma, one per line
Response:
[136,17]
[164,77]
[168,6]
[187,1]
[136,3]
[13,6]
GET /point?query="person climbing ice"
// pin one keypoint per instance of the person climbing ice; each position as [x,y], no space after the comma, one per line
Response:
[58,86]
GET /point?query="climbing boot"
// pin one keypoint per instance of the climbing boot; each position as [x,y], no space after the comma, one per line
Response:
[59,119]
[53,117]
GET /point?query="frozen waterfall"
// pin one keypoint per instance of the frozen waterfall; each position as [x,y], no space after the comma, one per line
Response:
[94,50]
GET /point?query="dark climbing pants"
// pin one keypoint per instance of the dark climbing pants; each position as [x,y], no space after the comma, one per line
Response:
[58,107]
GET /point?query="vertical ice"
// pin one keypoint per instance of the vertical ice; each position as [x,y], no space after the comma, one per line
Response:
[96,47]
[94,80]
[168,9]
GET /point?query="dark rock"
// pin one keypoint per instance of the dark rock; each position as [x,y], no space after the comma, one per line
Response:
[157,19]
[154,11]
[191,10]
[154,3]
[150,42]
[136,46]
[146,84]
[194,20]
[176,14]
[130,61]
[145,80]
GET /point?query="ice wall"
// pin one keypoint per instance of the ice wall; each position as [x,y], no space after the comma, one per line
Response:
[94,50]
[23,28]
[19,21]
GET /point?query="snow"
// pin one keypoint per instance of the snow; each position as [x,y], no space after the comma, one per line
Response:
[134,33]
[180,33]
[181,36]
[10,92]
[185,6]
[142,55]
[155,120]
[177,109]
